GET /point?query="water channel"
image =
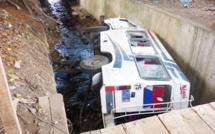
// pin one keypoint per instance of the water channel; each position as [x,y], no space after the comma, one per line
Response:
[74,87]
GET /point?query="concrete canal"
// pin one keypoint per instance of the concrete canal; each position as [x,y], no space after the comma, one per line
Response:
[71,82]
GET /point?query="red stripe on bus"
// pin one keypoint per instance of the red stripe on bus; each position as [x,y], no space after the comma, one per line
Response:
[151,35]
[158,91]
[109,88]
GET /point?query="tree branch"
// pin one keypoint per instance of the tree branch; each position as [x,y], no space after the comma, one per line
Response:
[12,3]
[26,5]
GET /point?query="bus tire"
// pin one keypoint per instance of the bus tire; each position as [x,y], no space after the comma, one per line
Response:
[93,64]
[96,29]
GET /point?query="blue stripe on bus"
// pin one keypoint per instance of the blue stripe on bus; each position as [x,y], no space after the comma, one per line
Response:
[147,93]
[118,57]
[125,56]
[109,100]
[166,58]
[178,69]
[132,45]
[173,71]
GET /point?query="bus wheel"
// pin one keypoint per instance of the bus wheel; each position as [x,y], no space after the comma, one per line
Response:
[93,64]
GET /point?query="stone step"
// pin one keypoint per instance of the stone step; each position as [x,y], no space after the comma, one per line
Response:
[55,114]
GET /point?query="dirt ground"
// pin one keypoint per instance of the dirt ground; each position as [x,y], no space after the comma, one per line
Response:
[199,11]
[25,50]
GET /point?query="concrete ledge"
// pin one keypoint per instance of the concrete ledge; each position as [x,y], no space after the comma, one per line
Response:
[55,111]
[189,43]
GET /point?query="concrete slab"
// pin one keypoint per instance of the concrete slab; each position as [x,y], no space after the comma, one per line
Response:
[58,114]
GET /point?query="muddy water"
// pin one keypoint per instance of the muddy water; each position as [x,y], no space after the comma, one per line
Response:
[74,87]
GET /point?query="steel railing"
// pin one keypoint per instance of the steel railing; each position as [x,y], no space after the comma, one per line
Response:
[149,108]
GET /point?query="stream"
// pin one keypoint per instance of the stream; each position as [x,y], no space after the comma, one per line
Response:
[74,87]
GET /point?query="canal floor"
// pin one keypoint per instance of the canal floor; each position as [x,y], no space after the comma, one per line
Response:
[73,84]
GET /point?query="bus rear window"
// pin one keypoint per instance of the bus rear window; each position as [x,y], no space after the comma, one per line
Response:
[151,68]
[136,35]
[140,43]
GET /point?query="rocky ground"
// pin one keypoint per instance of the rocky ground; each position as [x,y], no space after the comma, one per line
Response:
[198,11]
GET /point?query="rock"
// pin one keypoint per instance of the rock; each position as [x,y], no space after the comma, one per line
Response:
[17,95]
[45,9]
[17,64]
[4,13]
[13,76]
[12,87]
[74,13]
[33,110]
[186,6]
[210,9]
[9,25]
[15,102]
[56,122]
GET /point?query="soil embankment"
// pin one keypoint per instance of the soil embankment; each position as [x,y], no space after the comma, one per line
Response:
[25,55]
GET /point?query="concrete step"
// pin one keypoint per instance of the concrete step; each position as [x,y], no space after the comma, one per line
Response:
[55,114]
[109,121]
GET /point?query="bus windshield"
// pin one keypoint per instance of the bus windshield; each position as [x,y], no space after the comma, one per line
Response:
[151,68]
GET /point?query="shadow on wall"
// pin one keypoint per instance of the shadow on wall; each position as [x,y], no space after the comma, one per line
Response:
[197,83]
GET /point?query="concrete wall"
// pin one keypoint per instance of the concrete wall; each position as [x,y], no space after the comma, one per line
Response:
[190,44]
